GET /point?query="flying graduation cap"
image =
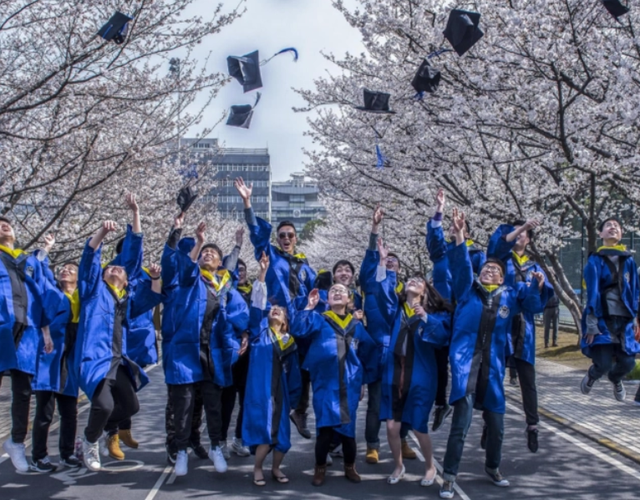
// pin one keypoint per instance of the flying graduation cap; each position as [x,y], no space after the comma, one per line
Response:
[240,115]
[615,8]
[463,30]
[427,78]
[116,28]
[186,197]
[376,102]
[246,69]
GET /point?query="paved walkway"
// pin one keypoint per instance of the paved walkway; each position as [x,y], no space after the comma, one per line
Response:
[597,416]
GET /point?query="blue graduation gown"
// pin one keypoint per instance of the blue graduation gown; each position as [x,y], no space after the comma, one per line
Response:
[53,371]
[522,344]
[339,362]
[185,305]
[94,343]
[411,401]
[491,314]
[22,358]
[597,277]
[273,388]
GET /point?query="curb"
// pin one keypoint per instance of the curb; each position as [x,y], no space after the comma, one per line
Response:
[583,431]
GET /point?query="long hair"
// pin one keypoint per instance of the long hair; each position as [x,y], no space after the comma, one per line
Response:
[285,323]
[432,301]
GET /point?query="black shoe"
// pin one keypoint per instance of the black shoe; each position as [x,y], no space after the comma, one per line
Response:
[199,450]
[532,440]
[172,453]
[554,345]
[43,465]
[300,421]
[483,438]
[441,413]
[71,462]
[513,381]
[497,478]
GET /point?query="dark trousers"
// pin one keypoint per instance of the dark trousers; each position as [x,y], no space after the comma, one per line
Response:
[240,371]
[323,445]
[442,361]
[460,423]
[303,403]
[196,419]
[603,356]
[550,318]
[183,399]
[527,375]
[113,401]
[372,422]
[20,402]
[68,410]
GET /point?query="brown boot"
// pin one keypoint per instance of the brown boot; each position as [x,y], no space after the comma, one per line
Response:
[351,474]
[407,451]
[113,445]
[126,437]
[318,475]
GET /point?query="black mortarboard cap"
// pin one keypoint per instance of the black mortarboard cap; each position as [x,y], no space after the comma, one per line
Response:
[246,70]
[116,28]
[323,281]
[615,8]
[240,115]
[376,102]
[427,78]
[462,30]
[186,197]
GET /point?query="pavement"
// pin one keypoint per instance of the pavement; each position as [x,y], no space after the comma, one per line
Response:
[567,466]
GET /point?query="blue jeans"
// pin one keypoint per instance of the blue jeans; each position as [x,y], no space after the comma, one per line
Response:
[372,423]
[462,414]
[602,356]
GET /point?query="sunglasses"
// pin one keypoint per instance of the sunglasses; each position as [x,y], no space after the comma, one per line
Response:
[290,236]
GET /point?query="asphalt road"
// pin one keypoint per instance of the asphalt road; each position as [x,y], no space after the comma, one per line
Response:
[566,467]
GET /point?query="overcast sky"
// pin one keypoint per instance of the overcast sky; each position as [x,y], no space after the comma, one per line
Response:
[311,26]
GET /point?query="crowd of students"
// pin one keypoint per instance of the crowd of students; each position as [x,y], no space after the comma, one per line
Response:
[291,334]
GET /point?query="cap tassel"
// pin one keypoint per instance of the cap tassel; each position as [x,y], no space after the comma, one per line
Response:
[382,159]
[283,51]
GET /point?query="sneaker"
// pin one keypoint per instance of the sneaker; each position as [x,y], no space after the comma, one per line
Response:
[636,402]
[513,381]
[329,460]
[91,455]
[446,490]
[372,456]
[587,384]
[17,454]
[216,456]
[225,450]
[532,440]
[483,438]
[441,413]
[172,453]
[407,451]
[102,442]
[182,463]
[71,462]
[198,450]
[43,465]
[300,421]
[619,392]
[497,478]
[337,451]
[78,448]
[239,448]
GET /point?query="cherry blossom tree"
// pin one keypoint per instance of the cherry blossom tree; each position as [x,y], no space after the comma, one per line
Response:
[538,119]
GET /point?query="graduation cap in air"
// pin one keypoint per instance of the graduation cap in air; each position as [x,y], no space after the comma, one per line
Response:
[376,102]
[427,78]
[116,28]
[462,30]
[615,8]
[186,197]
[246,70]
[240,115]
[323,281]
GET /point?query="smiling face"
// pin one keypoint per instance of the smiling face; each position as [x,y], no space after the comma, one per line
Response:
[392,263]
[242,275]
[278,318]
[68,274]
[209,259]
[287,238]
[416,287]
[491,274]
[338,296]
[343,275]
[115,276]
[6,232]
[521,241]
[611,232]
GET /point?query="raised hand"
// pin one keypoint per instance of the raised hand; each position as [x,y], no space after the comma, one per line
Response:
[539,277]
[458,220]
[200,232]
[264,262]
[440,200]
[49,241]
[312,301]
[109,226]
[382,250]
[239,236]
[243,190]
[130,200]
[378,215]
[532,224]
[179,221]
[359,314]
[154,271]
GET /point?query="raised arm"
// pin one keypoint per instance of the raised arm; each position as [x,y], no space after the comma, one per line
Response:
[459,262]
[169,259]
[259,299]
[200,236]
[107,227]
[231,261]
[130,200]
[384,289]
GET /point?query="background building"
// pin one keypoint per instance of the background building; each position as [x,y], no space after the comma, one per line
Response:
[295,200]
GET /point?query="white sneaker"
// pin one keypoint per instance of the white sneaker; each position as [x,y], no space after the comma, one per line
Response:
[239,448]
[102,441]
[91,455]
[216,456]
[329,460]
[17,454]
[182,463]
[225,450]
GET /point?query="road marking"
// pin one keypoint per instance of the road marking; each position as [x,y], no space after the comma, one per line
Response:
[589,449]
[439,479]
[156,487]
